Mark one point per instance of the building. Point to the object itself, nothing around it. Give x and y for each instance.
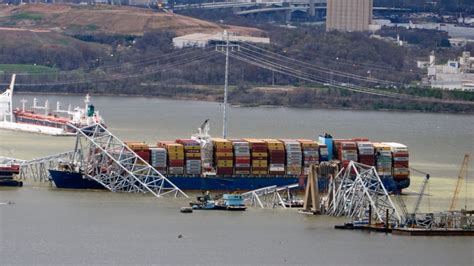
(349, 15)
(460, 42)
(454, 75)
(202, 40)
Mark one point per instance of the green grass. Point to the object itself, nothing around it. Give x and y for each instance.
(63, 42)
(19, 68)
(26, 16)
(92, 27)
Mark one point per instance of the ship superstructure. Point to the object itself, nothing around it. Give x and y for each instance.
(42, 119)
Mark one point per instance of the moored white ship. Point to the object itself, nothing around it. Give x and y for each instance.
(40, 119)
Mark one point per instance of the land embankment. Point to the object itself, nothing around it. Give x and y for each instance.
(115, 50)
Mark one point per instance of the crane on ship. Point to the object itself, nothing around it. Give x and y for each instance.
(421, 192)
(205, 140)
(462, 173)
(410, 218)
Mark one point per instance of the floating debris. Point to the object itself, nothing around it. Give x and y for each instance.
(186, 210)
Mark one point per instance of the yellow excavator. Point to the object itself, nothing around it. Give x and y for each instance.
(462, 175)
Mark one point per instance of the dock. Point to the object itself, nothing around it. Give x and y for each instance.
(367, 228)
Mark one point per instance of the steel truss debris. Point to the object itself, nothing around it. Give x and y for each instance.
(103, 157)
(10, 161)
(357, 187)
(443, 220)
(37, 169)
(270, 197)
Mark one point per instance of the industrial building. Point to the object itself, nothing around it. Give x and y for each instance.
(349, 15)
(454, 75)
(202, 40)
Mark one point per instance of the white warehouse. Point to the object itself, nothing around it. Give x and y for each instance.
(202, 40)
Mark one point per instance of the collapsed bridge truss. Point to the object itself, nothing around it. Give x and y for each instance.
(103, 157)
(358, 188)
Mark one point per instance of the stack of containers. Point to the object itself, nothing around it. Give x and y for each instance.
(337, 147)
(310, 153)
(323, 153)
(347, 151)
(366, 152)
(383, 160)
(400, 170)
(141, 149)
(294, 157)
(192, 156)
(241, 157)
(259, 152)
(158, 159)
(276, 157)
(223, 156)
(175, 157)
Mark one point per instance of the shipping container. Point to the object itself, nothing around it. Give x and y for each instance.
(400, 160)
(310, 149)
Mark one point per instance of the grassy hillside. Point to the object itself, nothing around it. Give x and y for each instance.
(106, 19)
(25, 68)
(47, 48)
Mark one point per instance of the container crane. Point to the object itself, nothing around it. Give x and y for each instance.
(462, 173)
(410, 218)
(422, 191)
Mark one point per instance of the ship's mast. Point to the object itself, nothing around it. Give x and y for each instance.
(23, 102)
(46, 107)
(12, 85)
(87, 100)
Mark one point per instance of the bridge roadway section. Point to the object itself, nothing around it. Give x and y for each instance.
(288, 6)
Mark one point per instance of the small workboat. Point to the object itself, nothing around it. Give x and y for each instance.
(229, 202)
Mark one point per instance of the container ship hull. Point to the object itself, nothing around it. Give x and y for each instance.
(32, 128)
(74, 180)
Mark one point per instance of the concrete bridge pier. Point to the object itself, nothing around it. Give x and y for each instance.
(311, 10)
(288, 15)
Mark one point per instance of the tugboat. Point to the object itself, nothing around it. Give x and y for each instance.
(229, 202)
(7, 172)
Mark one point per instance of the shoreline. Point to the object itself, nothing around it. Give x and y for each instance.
(237, 105)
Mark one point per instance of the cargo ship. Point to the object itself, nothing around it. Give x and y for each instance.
(40, 119)
(249, 163)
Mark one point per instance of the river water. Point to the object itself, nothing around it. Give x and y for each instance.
(53, 226)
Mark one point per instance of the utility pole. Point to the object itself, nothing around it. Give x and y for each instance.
(226, 81)
(220, 48)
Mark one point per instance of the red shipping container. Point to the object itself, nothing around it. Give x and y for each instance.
(224, 158)
(360, 139)
(242, 159)
(400, 177)
(224, 171)
(400, 164)
(145, 155)
(176, 163)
